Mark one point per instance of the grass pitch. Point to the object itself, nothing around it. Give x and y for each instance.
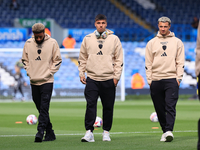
(132, 128)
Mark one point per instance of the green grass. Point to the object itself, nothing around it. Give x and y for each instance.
(131, 128)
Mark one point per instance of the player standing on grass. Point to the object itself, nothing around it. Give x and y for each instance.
(101, 56)
(41, 59)
(164, 60)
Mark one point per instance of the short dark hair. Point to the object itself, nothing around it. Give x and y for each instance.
(100, 17)
(38, 28)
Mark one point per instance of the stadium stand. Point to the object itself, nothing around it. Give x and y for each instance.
(178, 11)
(67, 15)
(80, 14)
(134, 62)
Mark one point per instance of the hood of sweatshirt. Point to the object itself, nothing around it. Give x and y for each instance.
(108, 31)
(46, 37)
(171, 34)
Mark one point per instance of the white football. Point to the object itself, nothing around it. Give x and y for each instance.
(98, 122)
(31, 119)
(154, 117)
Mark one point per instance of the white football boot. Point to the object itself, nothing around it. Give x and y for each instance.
(163, 139)
(169, 136)
(106, 136)
(89, 137)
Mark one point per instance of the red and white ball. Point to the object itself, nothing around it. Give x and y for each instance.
(154, 117)
(31, 119)
(98, 122)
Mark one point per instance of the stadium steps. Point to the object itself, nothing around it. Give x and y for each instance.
(7, 78)
(131, 15)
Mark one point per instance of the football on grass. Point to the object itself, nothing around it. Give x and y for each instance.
(31, 119)
(154, 117)
(98, 122)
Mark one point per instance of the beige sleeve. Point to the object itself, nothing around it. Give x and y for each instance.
(56, 59)
(25, 59)
(148, 62)
(197, 60)
(82, 60)
(180, 60)
(118, 60)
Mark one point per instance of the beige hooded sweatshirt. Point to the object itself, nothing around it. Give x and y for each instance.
(164, 58)
(41, 61)
(101, 58)
(197, 60)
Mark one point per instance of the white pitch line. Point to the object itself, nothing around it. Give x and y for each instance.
(101, 133)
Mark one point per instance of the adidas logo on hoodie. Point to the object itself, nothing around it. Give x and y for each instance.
(38, 58)
(164, 54)
(100, 53)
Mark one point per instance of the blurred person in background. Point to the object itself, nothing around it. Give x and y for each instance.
(19, 81)
(195, 22)
(197, 72)
(41, 59)
(47, 31)
(69, 42)
(14, 5)
(101, 56)
(164, 60)
(137, 81)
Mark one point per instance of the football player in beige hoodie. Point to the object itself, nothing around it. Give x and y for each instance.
(41, 59)
(102, 57)
(164, 63)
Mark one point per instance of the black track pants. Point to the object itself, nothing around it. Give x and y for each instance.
(41, 96)
(164, 94)
(106, 91)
